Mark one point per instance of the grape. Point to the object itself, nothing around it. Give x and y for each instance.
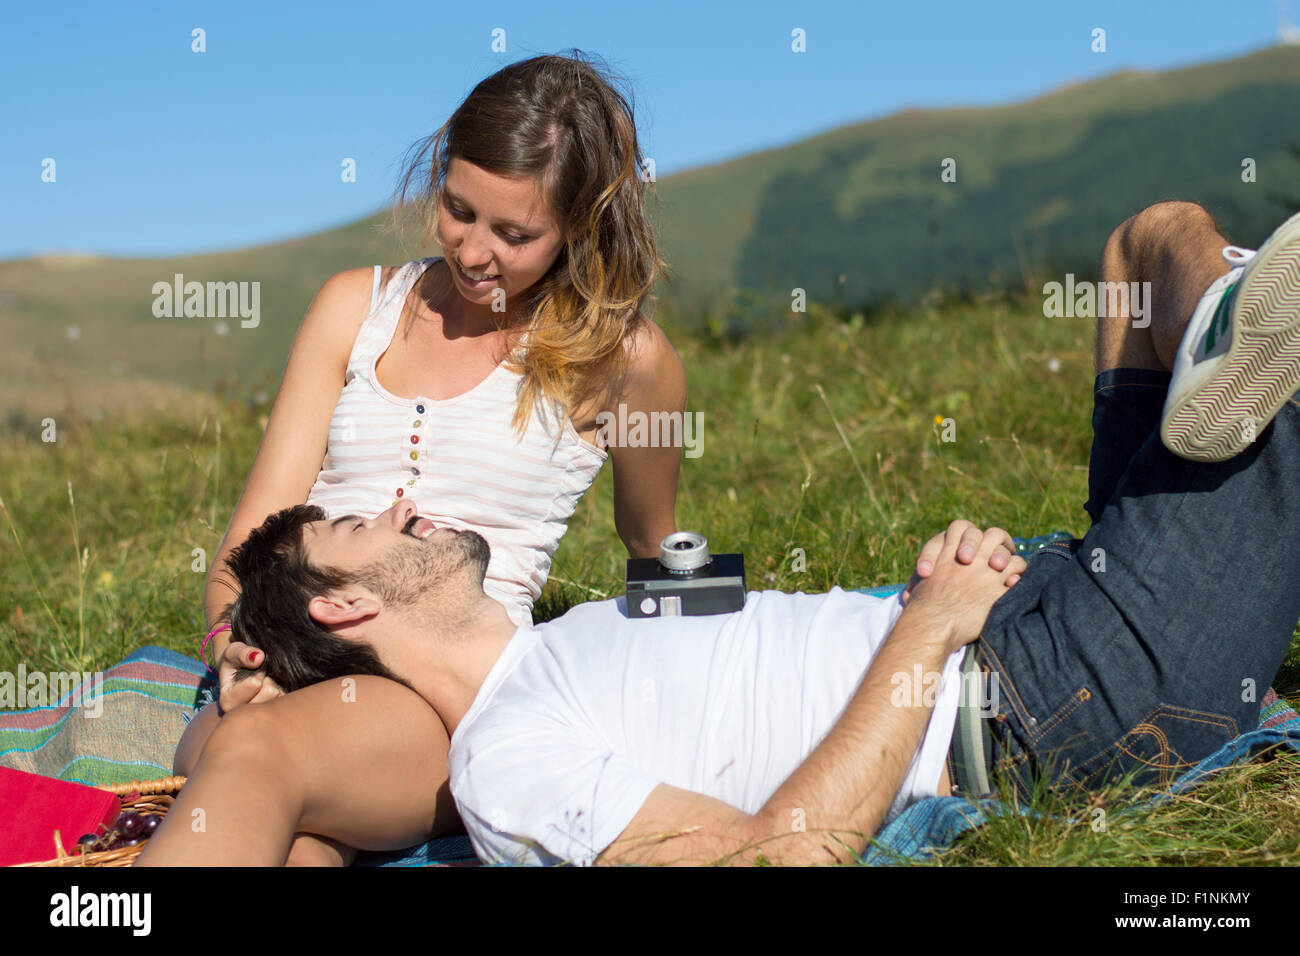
(130, 824)
(87, 840)
(151, 823)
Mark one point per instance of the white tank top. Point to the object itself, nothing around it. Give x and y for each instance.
(458, 458)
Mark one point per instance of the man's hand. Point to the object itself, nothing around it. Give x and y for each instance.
(243, 679)
(970, 542)
(958, 595)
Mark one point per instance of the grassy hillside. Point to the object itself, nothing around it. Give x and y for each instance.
(116, 342)
(1039, 185)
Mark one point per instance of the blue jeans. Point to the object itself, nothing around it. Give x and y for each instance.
(1148, 644)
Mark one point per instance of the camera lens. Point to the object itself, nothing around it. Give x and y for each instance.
(684, 552)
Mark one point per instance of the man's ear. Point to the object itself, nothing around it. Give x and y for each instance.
(343, 607)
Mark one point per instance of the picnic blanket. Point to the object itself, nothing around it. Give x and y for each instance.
(144, 703)
(125, 726)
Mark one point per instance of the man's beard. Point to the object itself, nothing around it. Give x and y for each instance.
(428, 572)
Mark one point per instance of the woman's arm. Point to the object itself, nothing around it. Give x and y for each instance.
(645, 478)
(289, 457)
(285, 467)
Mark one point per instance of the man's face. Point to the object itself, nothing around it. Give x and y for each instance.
(398, 555)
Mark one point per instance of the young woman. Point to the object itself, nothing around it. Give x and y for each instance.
(470, 382)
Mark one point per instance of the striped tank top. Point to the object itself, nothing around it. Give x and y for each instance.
(459, 459)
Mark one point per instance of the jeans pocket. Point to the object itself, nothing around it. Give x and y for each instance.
(1160, 747)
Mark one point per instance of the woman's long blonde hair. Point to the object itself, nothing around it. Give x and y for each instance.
(560, 118)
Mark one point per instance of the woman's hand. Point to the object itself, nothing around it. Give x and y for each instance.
(971, 539)
(243, 679)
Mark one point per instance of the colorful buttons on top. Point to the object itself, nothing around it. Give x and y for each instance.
(415, 439)
(400, 492)
(415, 424)
(415, 471)
(414, 455)
(419, 409)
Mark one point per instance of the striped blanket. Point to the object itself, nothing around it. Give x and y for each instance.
(141, 707)
(144, 704)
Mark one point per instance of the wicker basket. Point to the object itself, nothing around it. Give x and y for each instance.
(150, 797)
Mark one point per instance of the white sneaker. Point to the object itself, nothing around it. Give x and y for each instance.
(1239, 360)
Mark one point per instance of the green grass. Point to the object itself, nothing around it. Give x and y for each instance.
(819, 434)
(1247, 815)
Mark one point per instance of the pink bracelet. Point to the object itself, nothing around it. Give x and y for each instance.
(203, 650)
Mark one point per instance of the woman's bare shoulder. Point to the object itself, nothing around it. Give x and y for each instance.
(649, 350)
(339, 308)
(647, 342)
(656, 376)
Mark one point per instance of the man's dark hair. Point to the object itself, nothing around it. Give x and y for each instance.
(276, 583)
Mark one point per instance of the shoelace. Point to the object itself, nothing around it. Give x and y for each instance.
(1237, 256)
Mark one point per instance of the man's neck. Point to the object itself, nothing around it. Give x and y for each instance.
(447, 662)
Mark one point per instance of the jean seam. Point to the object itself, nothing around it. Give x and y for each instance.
(1018, 705)
(1058, 548)
(1164, 766)
(1065, 710)
(1008, 766)
(1195, 716)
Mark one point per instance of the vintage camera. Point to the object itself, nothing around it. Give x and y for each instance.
(685, 579)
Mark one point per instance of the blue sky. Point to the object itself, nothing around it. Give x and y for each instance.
(162, 151)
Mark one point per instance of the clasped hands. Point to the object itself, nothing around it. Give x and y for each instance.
(960, 574)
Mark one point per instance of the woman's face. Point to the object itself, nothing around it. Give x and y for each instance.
(494, 225)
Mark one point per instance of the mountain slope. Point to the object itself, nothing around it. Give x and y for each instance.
(857, 215)
(1039, 185)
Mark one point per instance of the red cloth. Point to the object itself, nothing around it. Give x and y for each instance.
(36, 806)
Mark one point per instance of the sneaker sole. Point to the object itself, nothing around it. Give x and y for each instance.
(1222, 417)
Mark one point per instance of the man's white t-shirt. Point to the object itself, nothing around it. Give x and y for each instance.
(581, 717)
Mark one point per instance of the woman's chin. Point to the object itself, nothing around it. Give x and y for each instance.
(474, 291)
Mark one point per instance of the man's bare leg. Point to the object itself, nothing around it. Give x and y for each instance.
(1175, 246)
(369, 772)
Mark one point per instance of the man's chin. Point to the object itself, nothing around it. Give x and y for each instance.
(470, 546)
(461, 547)
(476, 546)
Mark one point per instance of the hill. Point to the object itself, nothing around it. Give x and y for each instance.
(856, 216)
(1039, 185)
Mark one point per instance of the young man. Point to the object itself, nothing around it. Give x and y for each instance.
(779, 731)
